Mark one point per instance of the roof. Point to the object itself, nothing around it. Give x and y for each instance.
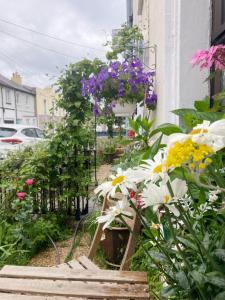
(11, 84)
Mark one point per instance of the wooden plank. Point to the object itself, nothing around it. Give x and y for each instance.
(74, 264)
(9, 296)
(98, 233)
(87, 263)
(73, 275)
(76, 288)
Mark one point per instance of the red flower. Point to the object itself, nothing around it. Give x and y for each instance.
(132, 194)
(131, 134)
(29, 181)
(21, 195)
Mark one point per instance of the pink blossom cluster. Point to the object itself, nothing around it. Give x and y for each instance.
(22, 195)
(215, 56)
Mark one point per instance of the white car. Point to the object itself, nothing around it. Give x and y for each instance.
(13, 137)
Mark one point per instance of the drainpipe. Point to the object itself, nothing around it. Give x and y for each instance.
(3, 109)
(15, 105)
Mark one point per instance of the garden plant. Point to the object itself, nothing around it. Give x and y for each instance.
(176, 185)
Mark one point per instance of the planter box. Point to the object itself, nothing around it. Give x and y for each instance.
(114, 244)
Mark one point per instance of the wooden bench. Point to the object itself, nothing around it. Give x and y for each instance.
(77, 279)
(17, 282)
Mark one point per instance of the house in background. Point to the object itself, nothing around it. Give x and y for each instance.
(17, 101)
(173, 31)
(47, 110)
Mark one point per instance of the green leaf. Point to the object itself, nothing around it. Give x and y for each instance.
(146, 154)
(187, 243)
(220, 296)
(166, 129)
(182, 280)
(198, 277)
(158, 256)
(134, 125)
(210, 116)
(206, 241)
(216, 278)
(220, 253)
(202, 105)
(155, 147)
(168, 291)
(77, 104)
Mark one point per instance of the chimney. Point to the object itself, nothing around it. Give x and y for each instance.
(16, 78)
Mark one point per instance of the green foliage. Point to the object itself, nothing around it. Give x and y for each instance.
(204, 110)
(125, 42)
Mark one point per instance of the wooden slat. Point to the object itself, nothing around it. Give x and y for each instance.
(76, 288)
(9, 296)
(87, 263)
(73, 275)
(74, 264)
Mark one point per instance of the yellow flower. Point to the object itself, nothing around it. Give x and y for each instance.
(202, 166)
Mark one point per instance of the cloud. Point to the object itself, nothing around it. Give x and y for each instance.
(85, 22)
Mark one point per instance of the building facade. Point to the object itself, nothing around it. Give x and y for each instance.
(17, 101)
(47, 110)
(173, 31)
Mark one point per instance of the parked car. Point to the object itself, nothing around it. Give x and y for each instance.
(14, 137)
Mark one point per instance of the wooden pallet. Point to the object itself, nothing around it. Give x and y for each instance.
(23, 283)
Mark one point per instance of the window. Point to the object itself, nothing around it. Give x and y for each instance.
(29, 132)
(7, 132)
(45, 107)
(40, 133)
(8, 96)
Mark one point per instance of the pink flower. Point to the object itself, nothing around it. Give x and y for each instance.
(131, 134)
(29, 181)
(215, 56)
(20, 195)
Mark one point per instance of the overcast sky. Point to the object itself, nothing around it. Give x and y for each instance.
(85, 22)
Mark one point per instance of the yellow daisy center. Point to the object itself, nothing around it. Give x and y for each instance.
(118, 180)
(187, 152)
(157, 169)
(166, 198)
(199, 130)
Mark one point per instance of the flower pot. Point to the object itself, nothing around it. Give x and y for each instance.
(114, 244)
(119, 151)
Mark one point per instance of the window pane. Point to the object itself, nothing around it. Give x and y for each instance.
(40, 133)
(7, 132)
(30, 132)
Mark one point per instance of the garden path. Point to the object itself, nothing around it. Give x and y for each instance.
(47, 257)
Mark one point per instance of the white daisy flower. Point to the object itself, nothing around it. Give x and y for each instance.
(212, 135)
(154, 169)
(157, 196)
(122, 181)
(119, 209)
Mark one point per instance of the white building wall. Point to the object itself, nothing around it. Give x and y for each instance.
(17, 107)
(178, 28)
